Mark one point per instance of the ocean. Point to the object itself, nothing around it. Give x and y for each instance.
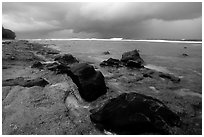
(165, 56)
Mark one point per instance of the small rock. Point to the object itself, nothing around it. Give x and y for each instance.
(111, 62)
(106, 53)
(185, 55)
(134, 64)
(66, 59)
(52, 66)
(37, 64)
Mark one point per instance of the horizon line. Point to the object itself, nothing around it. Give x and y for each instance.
(121, 39)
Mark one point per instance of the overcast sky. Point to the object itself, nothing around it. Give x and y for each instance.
(104, 20)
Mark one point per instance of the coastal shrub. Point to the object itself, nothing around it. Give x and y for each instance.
(8, 34)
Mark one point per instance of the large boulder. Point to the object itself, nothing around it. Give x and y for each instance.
(133, 113)
(90, 83)
(66, 59)
(132, 59)
(111, 63)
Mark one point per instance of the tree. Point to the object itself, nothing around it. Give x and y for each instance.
(8, 34)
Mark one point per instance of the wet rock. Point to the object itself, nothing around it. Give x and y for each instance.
(134, 64)
(185, 55)
(111, 62)
(106, 53)
(53, 52)
(133, 113)
(90, 83)
(37, 64)
(52, 66)
(6, 42)
(155, 74)
(169, 76)
(60, 68)
(25, 83)
(132, 56)
(66, 59)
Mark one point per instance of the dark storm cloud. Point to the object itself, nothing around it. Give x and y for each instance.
(128, 20)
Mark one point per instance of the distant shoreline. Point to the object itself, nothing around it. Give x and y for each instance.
(128, 40)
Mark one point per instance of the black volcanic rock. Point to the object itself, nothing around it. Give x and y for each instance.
(112, 63)
(90, 83)
(8, 34)
(170, 77)
(106, 52)
(133, 113)
(66, 59)
(185, 55)
(134, 64)
(132, 57)
(37, 64)
(25, 83)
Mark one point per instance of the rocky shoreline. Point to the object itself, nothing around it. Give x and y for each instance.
(45, 92)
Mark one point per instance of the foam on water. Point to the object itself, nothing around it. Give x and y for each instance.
(187, 92)
(121, 39)
(157, 68)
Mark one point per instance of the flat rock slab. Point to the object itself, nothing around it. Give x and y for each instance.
(44, 111)
(25, 83)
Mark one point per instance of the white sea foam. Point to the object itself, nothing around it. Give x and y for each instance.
(121, 39)
(157, 68)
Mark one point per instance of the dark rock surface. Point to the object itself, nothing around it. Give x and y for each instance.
(66, 59)
(37, 64)
(134, 64)
(53, 52)
(112, 63)
(106, 52)
(133, 113)
(132, 56)
(90, 83)
(25, 83)
(185, 55)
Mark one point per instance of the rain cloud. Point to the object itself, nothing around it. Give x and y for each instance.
(133, 20)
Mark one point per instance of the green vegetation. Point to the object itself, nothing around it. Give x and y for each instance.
(8, 34)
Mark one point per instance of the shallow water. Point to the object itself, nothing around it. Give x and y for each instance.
(165, 57)
(187, 92)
